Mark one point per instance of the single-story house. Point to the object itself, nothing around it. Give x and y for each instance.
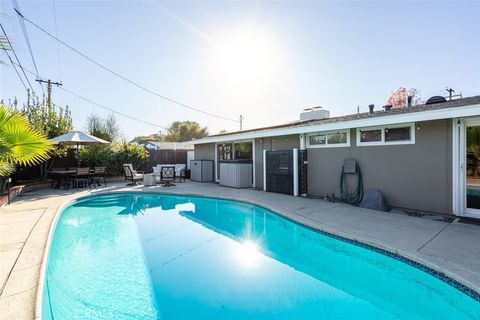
(424, 157)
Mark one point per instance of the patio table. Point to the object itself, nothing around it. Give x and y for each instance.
(149, 179)
(59, 176)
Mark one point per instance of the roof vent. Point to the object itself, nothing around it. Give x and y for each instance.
(436, 99)
(315, 113)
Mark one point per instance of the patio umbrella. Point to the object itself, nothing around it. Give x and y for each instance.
(77, 138)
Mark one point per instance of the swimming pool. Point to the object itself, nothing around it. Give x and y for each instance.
(151, 256)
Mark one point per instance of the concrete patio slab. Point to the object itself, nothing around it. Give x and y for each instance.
(443, 244)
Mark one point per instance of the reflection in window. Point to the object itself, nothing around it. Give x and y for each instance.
(336, 138)
(397, 134)
(371, 135)
(225, 151)
(315, 140)
(243, 151)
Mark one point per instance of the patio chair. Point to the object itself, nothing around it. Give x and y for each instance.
(82, 175)
(98, 174)
(132, 175)
(167, 174)
(180, 171)
(181, 174)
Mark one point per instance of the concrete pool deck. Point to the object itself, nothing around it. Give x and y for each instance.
(444, 244)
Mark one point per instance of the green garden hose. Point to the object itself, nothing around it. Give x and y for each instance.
(351, 197)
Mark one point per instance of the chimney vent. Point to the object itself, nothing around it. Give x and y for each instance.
(315, 113)
(409, 101)
(370, 107)
(387, 107)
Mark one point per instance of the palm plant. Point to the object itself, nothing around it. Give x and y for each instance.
(20, 143)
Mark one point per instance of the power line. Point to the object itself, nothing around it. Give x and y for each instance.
(100, 105)
(136, 84)
(112, 110)
(27, 39)
(56, 34)
(76, 116)
(16, 57)
(18, 74)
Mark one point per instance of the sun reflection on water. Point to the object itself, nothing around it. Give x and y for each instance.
(248, 254)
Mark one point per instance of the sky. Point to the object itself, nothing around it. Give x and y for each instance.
(265, 61)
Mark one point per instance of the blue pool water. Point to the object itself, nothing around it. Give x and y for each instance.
(146, 256)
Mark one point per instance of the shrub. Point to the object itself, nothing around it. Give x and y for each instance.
(113, 156)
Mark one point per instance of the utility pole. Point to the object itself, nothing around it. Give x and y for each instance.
(49, 89)
(451, 95)
(241, 122)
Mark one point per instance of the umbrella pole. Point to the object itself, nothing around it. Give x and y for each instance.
(78, 157)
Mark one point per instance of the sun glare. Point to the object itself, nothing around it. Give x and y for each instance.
(248, 254)
(247, 59)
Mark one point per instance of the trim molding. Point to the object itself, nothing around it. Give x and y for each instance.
(446, 113)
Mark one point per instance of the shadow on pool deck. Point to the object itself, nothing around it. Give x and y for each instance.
(444, 244)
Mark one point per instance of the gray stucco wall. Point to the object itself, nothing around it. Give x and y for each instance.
(205, 151)
(273, 143)
(414, 176)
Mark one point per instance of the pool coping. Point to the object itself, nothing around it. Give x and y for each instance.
(46, 251)
(436, 271)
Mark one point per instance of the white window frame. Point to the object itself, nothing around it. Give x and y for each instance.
(326, 145)
(383, 142)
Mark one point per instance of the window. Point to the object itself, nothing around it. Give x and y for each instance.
(384, 135)
(337, 138)
(329, 139)
(397, 134)
(370, 135)
(320, 139)
(225, 151)
(243, 151)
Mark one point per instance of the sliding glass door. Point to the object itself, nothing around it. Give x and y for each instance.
(471, 148)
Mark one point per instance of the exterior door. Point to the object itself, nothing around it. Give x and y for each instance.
(466, 167)
(471, 174)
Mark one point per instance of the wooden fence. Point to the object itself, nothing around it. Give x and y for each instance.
(164, 157)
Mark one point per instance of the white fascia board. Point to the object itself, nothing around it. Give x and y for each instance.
(446, 113)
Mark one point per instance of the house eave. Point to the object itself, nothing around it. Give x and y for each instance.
(438, 114)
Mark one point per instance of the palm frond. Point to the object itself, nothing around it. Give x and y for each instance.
(19, 142)
(6, 169)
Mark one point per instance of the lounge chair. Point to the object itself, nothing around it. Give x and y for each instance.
(132, 175)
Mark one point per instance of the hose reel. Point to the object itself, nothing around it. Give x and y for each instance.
(351, 167)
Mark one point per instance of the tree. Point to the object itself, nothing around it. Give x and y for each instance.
(20, 142)
(180, 131)
(145, 139)
(51, 121)
(104, 128)
(398, 98)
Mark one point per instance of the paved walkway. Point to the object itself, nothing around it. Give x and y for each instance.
(449, 246)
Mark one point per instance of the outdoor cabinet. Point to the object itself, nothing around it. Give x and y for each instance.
(201, 170)
(236, 173)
